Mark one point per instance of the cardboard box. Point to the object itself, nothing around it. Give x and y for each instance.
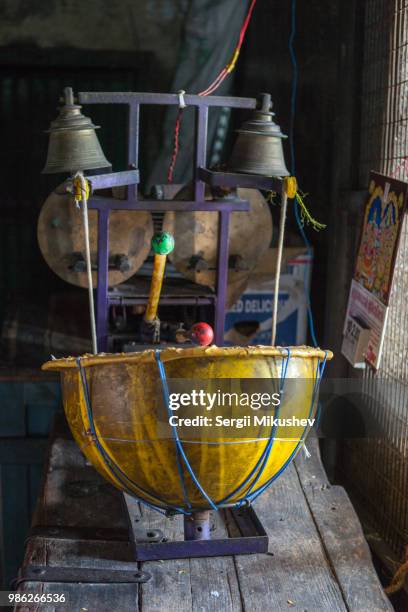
(249, 321)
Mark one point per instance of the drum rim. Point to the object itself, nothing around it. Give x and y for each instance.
(173, 353)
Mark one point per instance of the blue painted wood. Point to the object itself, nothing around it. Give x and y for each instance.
(16, 519)
(40, 401)
(27, 410)
(12, 414)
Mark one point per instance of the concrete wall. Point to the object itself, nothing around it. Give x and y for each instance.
(128, 25)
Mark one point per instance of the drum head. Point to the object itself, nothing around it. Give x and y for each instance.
(196, 240)
(61, 239)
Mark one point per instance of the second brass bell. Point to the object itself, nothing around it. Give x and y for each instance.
(73, 144)
(258, 148)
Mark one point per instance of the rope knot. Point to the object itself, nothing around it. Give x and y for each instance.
(182, 102)
(81, 189)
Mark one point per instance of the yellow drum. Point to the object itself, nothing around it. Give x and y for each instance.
(114, 408)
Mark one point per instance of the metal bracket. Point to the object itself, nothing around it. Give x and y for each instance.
(251, 537)
(47, 573)
(118, 262)
(150, 331)
(198, 263)
(90, 533)
(237, 263)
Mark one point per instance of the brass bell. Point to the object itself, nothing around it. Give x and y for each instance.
(258, 148)
(73, 144)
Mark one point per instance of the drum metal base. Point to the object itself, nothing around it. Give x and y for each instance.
(248, 536)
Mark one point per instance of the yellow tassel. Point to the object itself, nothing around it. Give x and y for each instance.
(78, 189)
(290, 186)
(305, 214)
(291, 189)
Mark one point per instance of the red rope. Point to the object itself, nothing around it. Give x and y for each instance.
(176, 147)
(231, 65)
(210, 89)
(215, 84)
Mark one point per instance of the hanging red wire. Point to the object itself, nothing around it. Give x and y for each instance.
(231, 65)
(210, 89)
(176, 146)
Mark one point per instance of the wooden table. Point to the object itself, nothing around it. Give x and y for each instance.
(318, 558)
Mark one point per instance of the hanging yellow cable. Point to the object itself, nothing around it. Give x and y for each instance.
(305, 215)
(293, 192)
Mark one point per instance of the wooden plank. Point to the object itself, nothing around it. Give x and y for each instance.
(16, 516)
(21, 458)
(2, 549)
(84, 597)
(295, 572)
(188, 584)
(174, 585)
(65, 553)
(74, 494)
(342, 536)
(170, 586)
(215, 583)
(306, 568)
(214, 580)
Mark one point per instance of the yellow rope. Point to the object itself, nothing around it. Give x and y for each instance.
(230, 67)
(305, 215)
(81, 194)
(292, 192)
(399, 577)
(290, 185)
(79, 187)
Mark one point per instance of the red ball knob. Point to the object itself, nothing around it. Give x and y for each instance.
(201, 334)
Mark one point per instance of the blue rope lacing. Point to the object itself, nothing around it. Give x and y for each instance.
(319, 374)
(257, 471)
(268, 449)
(179, 446)
(112, 466)
(250, 481)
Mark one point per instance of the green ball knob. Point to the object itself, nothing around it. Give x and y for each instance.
(162, 243)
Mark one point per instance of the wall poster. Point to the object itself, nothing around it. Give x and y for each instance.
(372, 280)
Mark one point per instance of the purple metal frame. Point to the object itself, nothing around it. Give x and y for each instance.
(250, 537)
(201, 177)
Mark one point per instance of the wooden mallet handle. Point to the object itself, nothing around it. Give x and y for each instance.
(162, 245)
